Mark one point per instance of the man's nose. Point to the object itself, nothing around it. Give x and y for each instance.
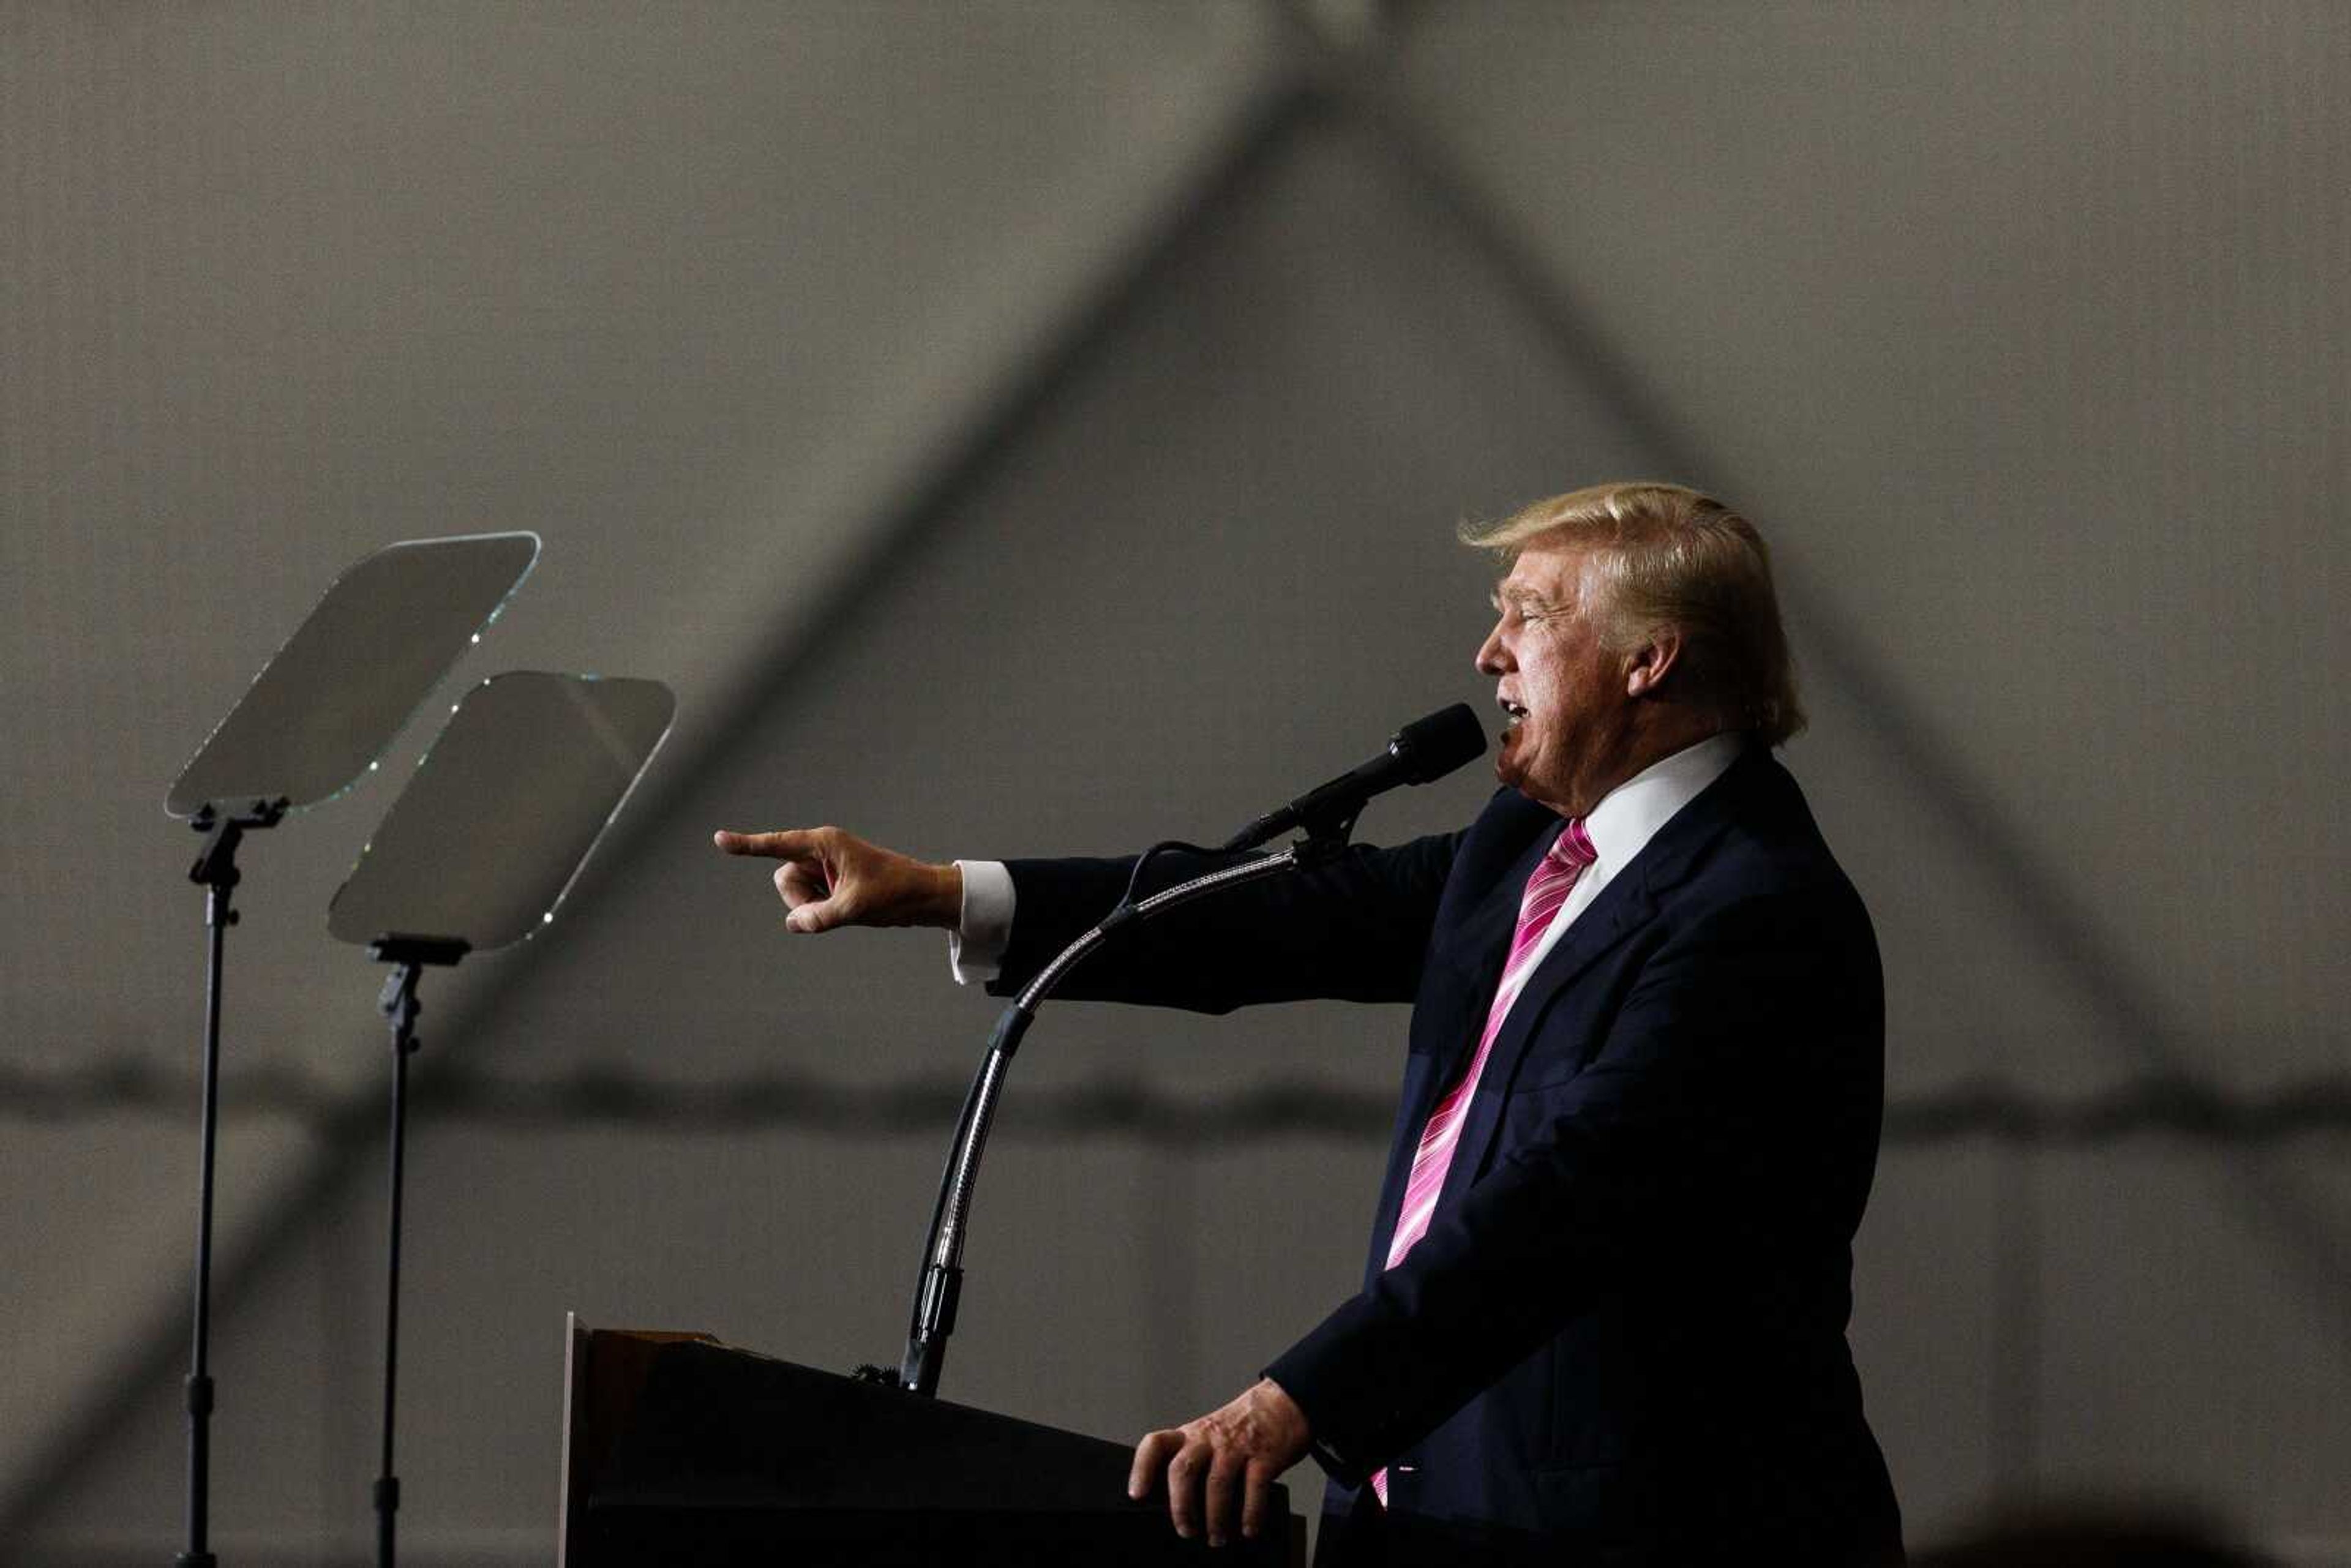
(1489, 654)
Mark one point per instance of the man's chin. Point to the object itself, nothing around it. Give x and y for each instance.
(1511, 772)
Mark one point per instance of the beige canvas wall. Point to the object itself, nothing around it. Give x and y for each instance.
(1028, 427)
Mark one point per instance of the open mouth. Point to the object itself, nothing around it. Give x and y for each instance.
(1513, 714)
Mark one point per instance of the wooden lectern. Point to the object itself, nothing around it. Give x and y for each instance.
(682, 1452)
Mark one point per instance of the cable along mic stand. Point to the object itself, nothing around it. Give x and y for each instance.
(940, 1285)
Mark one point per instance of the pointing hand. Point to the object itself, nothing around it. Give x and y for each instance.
(828, 877)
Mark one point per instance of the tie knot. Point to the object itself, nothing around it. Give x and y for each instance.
(1573, 845)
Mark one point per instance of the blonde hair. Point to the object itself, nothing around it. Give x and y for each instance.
(1671, 557)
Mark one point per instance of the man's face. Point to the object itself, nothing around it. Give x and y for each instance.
(1566, 697)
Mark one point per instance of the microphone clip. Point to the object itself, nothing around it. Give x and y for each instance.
(1325, 817)
(1326, 833)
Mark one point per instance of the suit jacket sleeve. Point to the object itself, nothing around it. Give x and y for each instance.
(1355, 929)
(1702, 1135)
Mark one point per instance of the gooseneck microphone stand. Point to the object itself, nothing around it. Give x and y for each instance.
(1425, 749)
(941, 1281)
(215, 872)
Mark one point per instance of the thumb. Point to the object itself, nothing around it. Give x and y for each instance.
(810, 918)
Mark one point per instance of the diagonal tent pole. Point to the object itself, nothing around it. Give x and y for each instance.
(1261, 130)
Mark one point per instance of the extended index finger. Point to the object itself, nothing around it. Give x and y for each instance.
(788, 844)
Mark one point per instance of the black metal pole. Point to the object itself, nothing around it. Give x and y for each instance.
(218, 917)
(940, 1284)
(398, 1003)
(215, 872)
(401, 1006)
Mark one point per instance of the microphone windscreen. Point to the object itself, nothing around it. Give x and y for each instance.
(1432, 746)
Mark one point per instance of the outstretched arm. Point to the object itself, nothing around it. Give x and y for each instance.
(1354, 929)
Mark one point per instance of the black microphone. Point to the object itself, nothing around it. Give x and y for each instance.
(1424, 749)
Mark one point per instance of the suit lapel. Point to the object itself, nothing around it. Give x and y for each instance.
(1622, 908)
(1486, 941)
(1629, 901)
(1474, 961)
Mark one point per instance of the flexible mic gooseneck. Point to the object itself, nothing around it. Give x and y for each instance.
(1424, 749)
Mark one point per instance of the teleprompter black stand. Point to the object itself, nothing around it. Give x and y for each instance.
(215, 872)
(313, 721)
(408, 956)
(480, 848)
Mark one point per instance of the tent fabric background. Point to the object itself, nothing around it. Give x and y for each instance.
(1030, 427)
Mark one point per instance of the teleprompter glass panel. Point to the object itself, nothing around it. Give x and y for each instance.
(499, 816)
(333, 697)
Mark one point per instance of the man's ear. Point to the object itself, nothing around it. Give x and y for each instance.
(1649, 664)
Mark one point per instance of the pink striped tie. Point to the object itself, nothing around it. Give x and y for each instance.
(1553, 879)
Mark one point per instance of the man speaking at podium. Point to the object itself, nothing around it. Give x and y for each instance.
(1603, 1318)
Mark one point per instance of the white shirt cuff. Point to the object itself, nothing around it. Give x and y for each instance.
(976, 948)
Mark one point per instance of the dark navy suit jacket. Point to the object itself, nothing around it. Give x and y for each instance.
(1623, 1337)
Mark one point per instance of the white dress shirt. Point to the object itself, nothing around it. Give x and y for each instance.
(1620, 828)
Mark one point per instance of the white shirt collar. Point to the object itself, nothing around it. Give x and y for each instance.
(1629, 816)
